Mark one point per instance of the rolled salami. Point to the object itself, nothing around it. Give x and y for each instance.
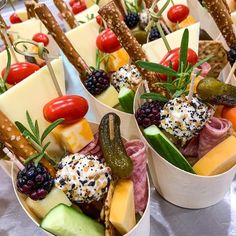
(63, 42)
(137, 151)
(66, 13)
(29, 5)
(12, 138)
(111, 15)
(220, 14)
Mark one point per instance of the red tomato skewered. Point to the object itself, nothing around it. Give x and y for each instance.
(178, 13)
(78, 7)
(19, 71)
(14, 18)
(72, 2)
(41, 38)
(107, 41)
(173, 57)
(70, 107)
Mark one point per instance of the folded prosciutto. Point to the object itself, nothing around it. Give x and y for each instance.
(137, 151)
(213, 133)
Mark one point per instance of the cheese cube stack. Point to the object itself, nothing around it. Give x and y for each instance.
(122, 214)
(41, 207)
(220, 159)
(74, 137)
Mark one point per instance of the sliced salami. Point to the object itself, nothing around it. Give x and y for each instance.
(214, 132)
(137, 151)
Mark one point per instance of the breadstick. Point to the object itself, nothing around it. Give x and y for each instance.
(121, 7)
(29, 5)
(63, 42)
(220, 14)
(12, 138)
(111, 15)
(66, 13)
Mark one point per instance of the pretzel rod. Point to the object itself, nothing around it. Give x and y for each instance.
(220, 14)
(66, 13)
(12, 138)
(121, 7)
(226, 5)
(148, 3)
(2, 21)
(63, 42)
(29, 5)
(111, 15)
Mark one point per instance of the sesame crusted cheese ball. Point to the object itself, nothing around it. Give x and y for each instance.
(83, 178)
(127, 76)
(184, 119)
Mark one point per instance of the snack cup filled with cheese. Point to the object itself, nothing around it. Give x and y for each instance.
(104, 201)
(192, 161)
(186, 189)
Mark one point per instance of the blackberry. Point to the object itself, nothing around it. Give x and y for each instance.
(154, 34)
(131, 19)
(149, 114)
(97, 82)
(34, 181)
(232, 55)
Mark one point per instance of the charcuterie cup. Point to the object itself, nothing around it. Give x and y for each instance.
(182, 188)
(141, 228)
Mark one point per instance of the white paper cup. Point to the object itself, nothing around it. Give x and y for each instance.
(141, 228)
(180, 187)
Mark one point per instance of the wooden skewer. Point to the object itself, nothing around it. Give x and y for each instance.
(63, 42)
(66, 13)
(29, 5)
(191, 89)
(231, 73)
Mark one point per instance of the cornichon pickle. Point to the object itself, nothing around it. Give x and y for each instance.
(216, 92)
(112, 146)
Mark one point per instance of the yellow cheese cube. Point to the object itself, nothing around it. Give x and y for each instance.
(41, 207)
(220, 159)
(109, 97)
(74, 137)
(122, 214)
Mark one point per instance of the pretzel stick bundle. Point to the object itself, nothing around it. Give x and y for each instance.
(63, 42)
(12, 138)
(111, 15)
(29, 5)
(220, 14)
(121, 7)
(66, 13)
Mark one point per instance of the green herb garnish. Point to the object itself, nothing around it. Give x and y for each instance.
(178, 86)
(37, 140)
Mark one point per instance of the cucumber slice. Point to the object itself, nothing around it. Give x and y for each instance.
(126, 99)
(166, 149)
(66, 221)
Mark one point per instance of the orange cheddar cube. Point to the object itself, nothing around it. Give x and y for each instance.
(74, 137)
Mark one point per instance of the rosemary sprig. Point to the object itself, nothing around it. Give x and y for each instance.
(178, 86)
(37, 140)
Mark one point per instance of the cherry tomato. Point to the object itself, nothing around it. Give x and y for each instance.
(178, 13)
(107, 41)
(99, 20)
(72, 2)
(19, 71)
(78, 7)
(41, 38)
(14, 18)
(173, 57)
(70, 107)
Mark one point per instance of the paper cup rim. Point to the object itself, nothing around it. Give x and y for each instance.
(38, 224)
(175, 167)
